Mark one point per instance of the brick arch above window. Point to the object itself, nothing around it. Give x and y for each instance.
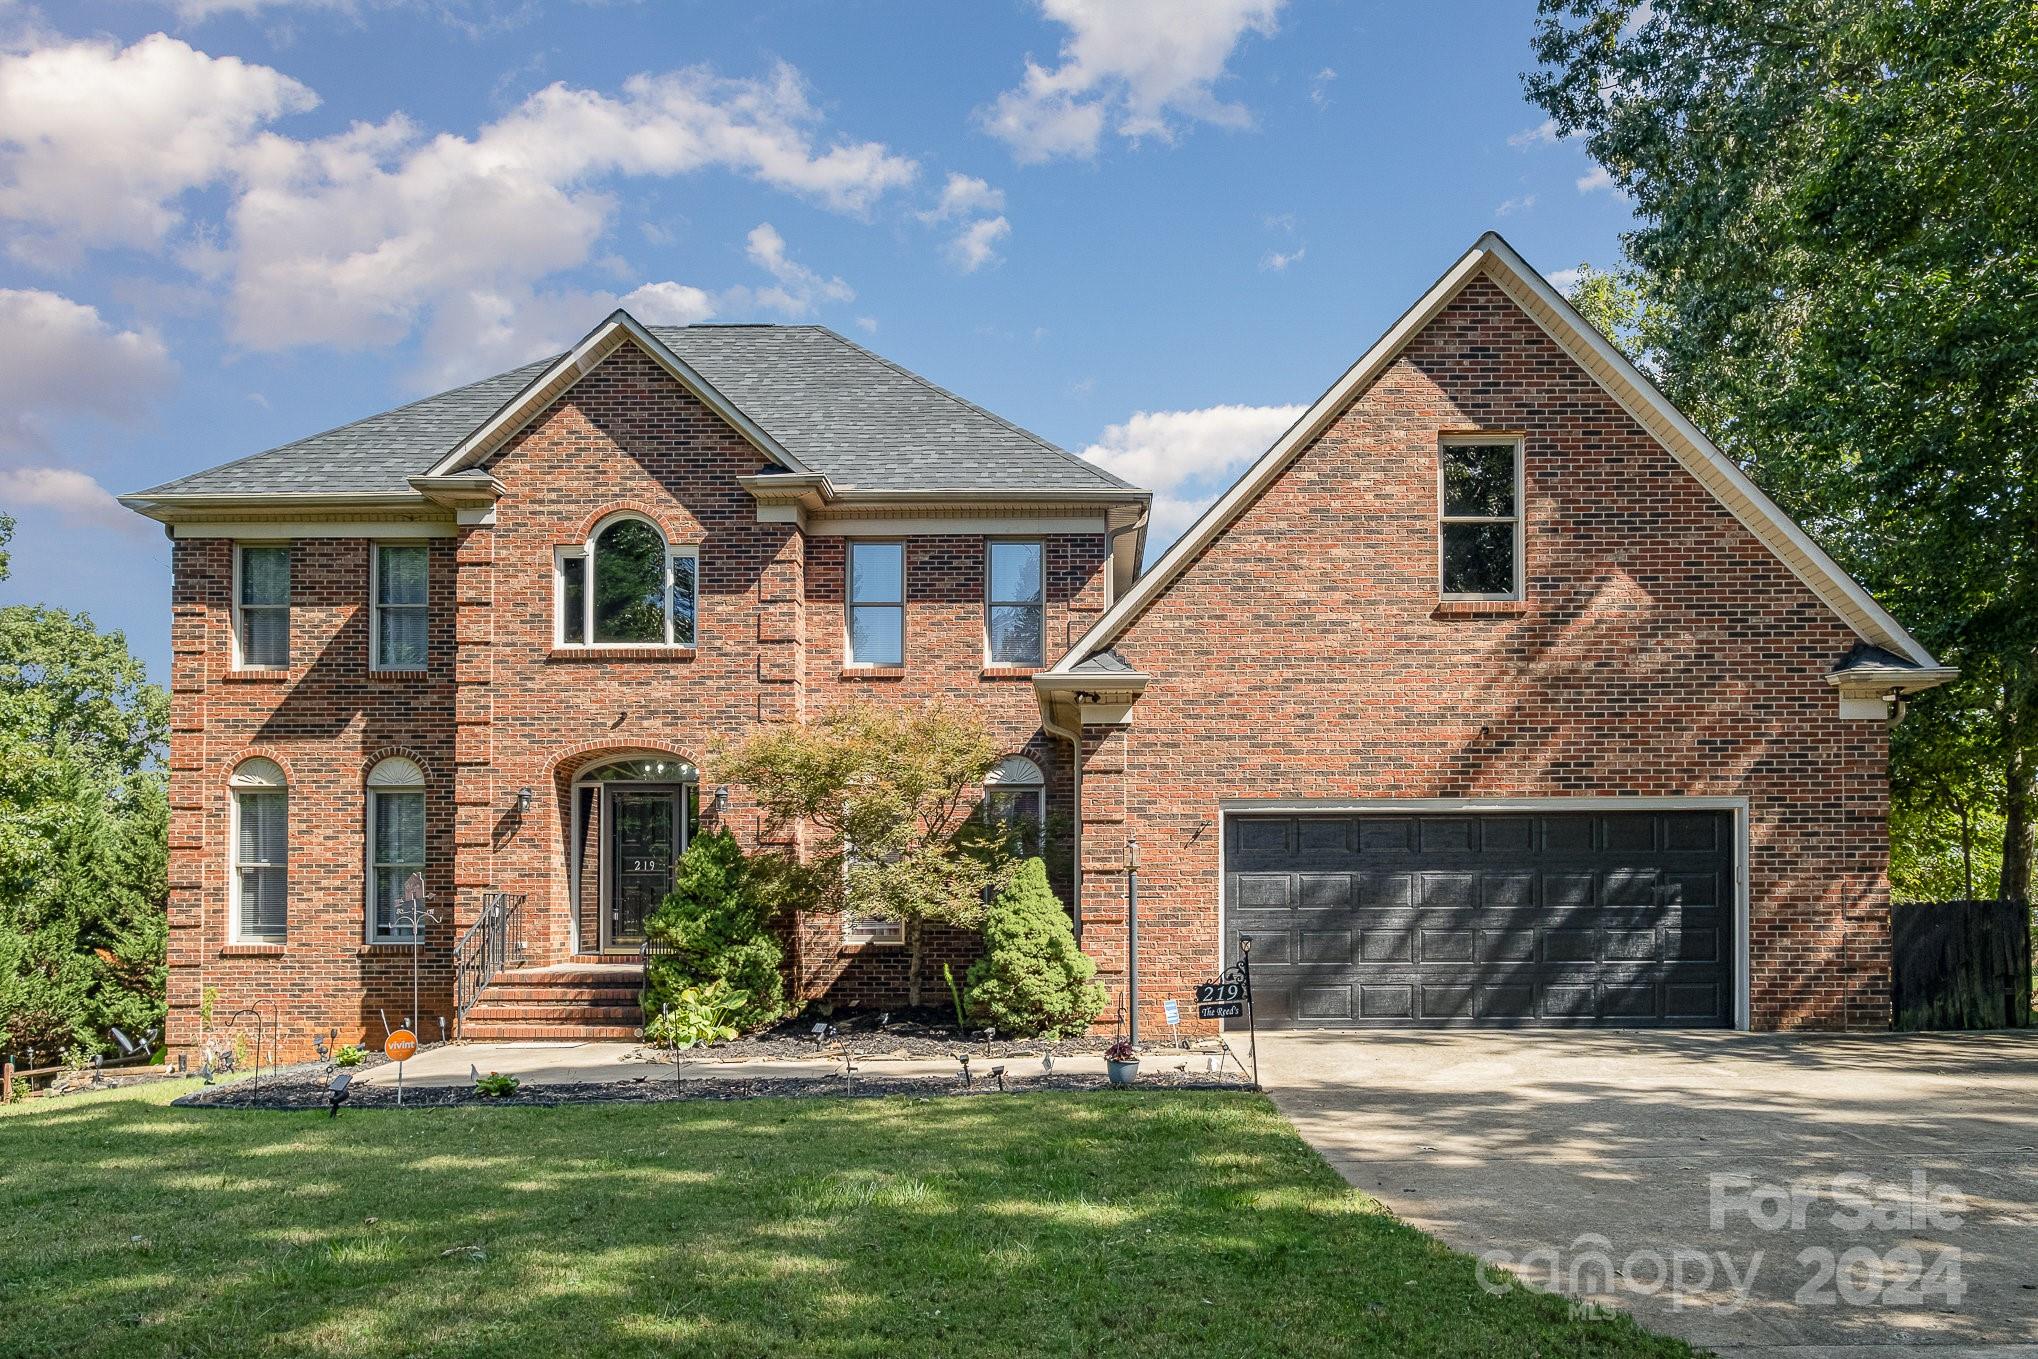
(273, 756)
(672, 522)
(570, 763)
(424, 766)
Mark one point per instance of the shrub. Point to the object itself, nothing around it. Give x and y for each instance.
(697, 1014)
(495, 1085)
(1032, 979)
(350, 1055)
(716, 926)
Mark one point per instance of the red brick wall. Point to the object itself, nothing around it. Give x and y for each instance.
(505, 710)
(1661, 650)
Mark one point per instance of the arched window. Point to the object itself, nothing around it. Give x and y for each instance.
(396, 842)
(626, 587)
(259, 884)
(1015, 795)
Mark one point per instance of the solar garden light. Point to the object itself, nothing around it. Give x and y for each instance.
(999, 1072)
(336, 1093)
(964, 1059)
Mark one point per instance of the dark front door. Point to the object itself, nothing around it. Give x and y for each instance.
(643, 848)
(1614, 918)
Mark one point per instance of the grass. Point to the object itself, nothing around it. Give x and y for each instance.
(1135, 1224)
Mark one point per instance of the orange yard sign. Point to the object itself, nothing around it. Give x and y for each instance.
(401, 1047)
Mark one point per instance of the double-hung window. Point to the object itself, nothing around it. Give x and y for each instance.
(626, 587)
(262, 607)
(260, 839)
(401, 615)
(877, 603)
(1479, 522)
(1015, 630)
(396, 843)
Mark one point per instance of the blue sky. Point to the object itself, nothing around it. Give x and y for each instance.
(1146, 229)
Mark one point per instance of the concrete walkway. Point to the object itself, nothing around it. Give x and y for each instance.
(1675, 1154)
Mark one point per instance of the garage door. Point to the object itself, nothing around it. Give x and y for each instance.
(1619, 919)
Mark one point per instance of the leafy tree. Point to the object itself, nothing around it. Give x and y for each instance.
(717, 924)
(83, 816)
(1032, 978)
(888, 794)
(1836, 275)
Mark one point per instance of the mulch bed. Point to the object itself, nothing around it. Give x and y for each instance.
(898, 1033)
(298, 1088)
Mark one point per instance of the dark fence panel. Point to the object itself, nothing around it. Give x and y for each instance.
(1960, 965)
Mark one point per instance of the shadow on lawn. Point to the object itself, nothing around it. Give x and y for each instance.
(1037, 1224)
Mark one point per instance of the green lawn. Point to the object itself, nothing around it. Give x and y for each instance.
(1183, 1225)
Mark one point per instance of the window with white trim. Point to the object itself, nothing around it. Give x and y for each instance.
(626, 586)
(1015, 591)
(262, 606)
(1479, 547)
(401, 584)
(396, 841)
(867, 929)
(1015, 797)
(259, 836)
(877, 603)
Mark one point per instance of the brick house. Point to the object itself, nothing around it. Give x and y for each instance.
(1492, 693)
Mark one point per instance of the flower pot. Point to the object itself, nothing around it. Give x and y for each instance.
(1121, 1073)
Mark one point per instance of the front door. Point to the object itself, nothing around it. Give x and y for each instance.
(643, 847)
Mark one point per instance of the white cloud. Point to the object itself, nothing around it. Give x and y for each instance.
(99, 144)
(1187, 458)
(965, 196)
(1319, 87)
(1276, 260)
(1138, 66)
(60, 358)
(867, 324)
(1564, 280)
(976, 245)
(71, 494)
(1514, 205)
(346, 240)
(796, 290)
(669, 304)
(1542, 134)
(1600, 178)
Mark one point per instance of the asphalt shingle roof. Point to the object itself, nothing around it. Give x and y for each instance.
(865, 422)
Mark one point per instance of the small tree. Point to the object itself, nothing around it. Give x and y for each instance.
(717, 923)
(1032, 979)
(890, 792)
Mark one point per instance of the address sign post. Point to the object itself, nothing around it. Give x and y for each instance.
(1231, 996)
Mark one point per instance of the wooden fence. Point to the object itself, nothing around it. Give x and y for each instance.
(1960, 965)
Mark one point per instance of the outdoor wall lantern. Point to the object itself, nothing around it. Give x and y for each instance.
(721, 799)
(523, 801)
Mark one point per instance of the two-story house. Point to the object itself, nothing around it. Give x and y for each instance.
(1492, 693)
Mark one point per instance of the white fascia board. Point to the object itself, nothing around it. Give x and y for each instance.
(1621, 380)
(576, 363)
(1232, 503)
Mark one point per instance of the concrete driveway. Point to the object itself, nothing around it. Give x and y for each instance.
(1697, 1179)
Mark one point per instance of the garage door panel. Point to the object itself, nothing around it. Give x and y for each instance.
(1616, 918)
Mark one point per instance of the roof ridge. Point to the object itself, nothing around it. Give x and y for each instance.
(965, 402)
(354, 423)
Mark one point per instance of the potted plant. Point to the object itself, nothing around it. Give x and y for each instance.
(1121, 1062)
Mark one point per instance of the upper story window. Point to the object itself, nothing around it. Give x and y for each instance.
(262, 606)
(877, 603)
(259, 884)
(396, 842)
(400, 587)
(1479, 528)
(1015, 631)
(626, 587)
(1015, 797)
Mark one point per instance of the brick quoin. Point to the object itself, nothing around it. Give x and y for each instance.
(1661, 650)
(500, 708)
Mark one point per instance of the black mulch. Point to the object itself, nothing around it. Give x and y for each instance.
(298, 1088)
(899, 1033)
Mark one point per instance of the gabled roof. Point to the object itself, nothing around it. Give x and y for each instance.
(808, 398)
(1496, 259)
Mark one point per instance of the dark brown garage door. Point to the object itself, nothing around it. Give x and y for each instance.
(1618, 919)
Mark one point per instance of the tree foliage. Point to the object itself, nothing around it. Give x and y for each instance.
(717, 925)
(83, 822)
(885, 797)
(1032, 979)
(1836, 275)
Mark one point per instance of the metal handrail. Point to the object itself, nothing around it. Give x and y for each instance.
(491, 943)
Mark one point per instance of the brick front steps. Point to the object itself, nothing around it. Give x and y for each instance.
(579, 1002)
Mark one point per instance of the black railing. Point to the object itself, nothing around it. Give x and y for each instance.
(493, 942)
